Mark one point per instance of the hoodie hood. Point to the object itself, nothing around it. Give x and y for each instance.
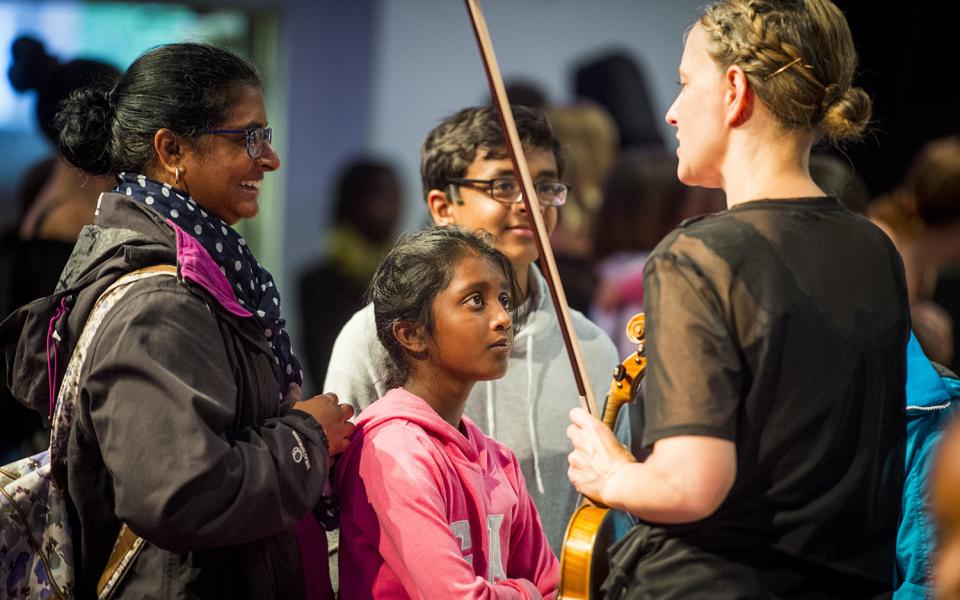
(926, 389)
(125, 236)
(537, 315)
(538, 321)
(400, 405)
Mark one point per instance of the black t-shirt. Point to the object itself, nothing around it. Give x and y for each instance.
(781, 325)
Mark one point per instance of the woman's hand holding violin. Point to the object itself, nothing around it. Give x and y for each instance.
(597, 455)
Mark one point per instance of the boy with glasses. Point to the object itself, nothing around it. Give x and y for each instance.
(469, 180)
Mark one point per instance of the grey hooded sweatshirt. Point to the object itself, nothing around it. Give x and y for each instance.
(526, 409)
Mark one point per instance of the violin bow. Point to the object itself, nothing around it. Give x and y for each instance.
(547, 262)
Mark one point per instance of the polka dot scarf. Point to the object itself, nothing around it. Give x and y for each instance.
(252, 284)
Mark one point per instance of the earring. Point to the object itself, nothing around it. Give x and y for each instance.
(176, 175)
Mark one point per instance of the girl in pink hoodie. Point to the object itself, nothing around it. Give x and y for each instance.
(430, 506)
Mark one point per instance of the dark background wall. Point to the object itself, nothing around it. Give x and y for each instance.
(909, 66)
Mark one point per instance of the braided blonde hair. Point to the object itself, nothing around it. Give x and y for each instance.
(799, 58)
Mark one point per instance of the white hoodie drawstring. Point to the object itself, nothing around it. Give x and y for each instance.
(531, 424)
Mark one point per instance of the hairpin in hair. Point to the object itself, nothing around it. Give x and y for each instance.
(785, 67)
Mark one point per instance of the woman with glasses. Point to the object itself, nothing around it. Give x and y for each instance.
(189, 429)
(776, 338)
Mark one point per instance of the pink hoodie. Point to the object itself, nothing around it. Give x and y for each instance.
(427, 512)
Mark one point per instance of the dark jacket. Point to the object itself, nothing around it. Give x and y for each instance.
(181, 429)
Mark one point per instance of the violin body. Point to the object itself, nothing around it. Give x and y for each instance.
(584, 562)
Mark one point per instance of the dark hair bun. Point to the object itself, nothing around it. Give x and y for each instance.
(31, 67)
(107, 125)
(85, 124)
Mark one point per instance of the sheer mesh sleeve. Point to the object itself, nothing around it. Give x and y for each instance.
(692, 385)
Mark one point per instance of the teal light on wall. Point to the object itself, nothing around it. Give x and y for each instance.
(114, 32)
(111, 31)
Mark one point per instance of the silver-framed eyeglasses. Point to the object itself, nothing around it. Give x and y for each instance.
(255, 137)
(508, 190)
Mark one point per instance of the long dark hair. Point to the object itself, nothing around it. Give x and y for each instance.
(182, 87)
(408, 279)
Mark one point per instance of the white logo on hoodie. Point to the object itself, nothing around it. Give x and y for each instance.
(461, 529)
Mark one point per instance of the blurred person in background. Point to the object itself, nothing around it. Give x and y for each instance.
(590, 141)
(642, 202)
(368, 204)
(922, 216)
(526, 92)
(68, 198)
(56, 200)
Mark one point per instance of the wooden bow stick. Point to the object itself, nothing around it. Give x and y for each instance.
(547, 262)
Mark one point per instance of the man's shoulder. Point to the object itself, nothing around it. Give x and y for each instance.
(356, 360)
(361, 324)
(597, 349)
(590, 334)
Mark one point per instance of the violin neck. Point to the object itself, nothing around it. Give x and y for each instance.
(612, 409)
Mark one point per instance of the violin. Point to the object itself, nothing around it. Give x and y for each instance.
(591, 530)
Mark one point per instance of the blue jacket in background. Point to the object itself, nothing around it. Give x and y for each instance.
(933, 397)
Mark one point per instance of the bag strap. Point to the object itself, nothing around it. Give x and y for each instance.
(125, 550)
(156, 269)
(128, 544)
(84, 339)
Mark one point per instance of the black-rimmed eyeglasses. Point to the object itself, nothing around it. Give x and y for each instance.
(255, 137)
(507, 190)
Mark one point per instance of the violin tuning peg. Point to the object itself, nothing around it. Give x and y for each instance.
(619, 373)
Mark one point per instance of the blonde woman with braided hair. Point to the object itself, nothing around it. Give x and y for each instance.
(776, 335)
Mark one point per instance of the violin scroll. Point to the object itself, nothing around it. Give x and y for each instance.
(628, 374)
